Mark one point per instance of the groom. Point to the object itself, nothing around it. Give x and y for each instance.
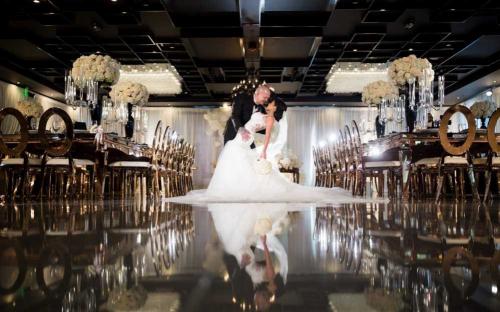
(243, 107)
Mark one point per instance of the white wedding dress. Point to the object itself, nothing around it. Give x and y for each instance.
(236, 180)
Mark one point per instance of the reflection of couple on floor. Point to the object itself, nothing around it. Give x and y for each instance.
(257, 265)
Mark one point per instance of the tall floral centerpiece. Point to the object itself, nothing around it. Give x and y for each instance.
(31, 109)
(89, 75)
(382, 95)
(129, 94)
(410, 73)
(483, 110)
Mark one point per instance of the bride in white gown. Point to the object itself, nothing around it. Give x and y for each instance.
(237, 178)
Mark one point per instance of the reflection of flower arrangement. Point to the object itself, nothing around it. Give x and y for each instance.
(374, 92)
(483, 109)
(406, 68)
(216, 119)
(29, 107)
(129, 92)
(263, 166)
(95, 67)
(288, 161)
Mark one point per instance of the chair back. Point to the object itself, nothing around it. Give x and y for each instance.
(24, 135)
(65, 146)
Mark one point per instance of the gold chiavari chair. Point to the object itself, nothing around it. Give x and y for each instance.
(494, 156)
(17, 165)
(134, 176)
(456, 162)
(167, 171)
(358, 159)
(58, 171)
(317, 181)
(343, 161)
(350, 158)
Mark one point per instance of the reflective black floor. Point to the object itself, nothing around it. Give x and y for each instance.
(128, 255)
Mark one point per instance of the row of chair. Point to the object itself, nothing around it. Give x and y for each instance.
(346, 163)
(166, 170)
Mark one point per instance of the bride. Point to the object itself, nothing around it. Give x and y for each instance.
(244, 174)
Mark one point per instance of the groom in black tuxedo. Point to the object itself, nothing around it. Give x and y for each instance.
(243, 107)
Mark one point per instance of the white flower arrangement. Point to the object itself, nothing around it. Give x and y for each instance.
(216, 119)
(263, 166)
(288, 161)
(129, 92)
(101, 68)
(406, 68)
(263, 226)
(374, 92)
(483, 109)
(29, 107)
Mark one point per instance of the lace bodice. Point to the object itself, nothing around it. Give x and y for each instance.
(256, 123)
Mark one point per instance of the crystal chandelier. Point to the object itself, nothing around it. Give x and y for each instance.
(247, 85)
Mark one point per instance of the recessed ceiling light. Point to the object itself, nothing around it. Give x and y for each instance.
(114, 0)
(172, 47)
(382, 10)
(355, 50)
(452, 10)
(36, 1)
(410, 49)
(124, 12)
(448, 44)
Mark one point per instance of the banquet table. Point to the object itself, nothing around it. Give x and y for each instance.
(84, 146)
(411, 147)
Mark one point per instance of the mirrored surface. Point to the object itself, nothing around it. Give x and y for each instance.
(132, 255)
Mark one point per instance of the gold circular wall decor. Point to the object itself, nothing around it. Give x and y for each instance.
(443, 130)
(450, 258)
(23, 123)
(492, 138)
(62, 149)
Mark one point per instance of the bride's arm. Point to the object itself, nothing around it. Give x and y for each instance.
(269, 127)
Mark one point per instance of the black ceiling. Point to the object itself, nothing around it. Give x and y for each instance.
(297, 41)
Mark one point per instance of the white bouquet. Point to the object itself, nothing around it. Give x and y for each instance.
(263, 226)
(30, 108)
(100, 68)
(263, 166)
(374, 92)
(483, 109)
(406, 68)
(288, 161)
(129, 92)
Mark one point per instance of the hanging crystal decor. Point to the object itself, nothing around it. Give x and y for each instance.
(80, 93)
(440, 93)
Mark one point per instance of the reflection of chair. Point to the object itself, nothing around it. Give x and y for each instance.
(456, 163)
(17, 165)
(494, 157)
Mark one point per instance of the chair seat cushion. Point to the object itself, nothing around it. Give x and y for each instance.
(131, 164)
(383, 164)
(455, 160)
(483, 161)
(83, 162)
(428, 162)
(495, 161)
(58, 162)
(20, 162)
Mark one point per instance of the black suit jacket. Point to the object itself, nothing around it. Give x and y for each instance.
(242, 112)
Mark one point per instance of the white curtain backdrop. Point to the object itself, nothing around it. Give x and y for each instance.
(306, 127)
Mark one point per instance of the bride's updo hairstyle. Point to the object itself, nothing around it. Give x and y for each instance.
(280, 106)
